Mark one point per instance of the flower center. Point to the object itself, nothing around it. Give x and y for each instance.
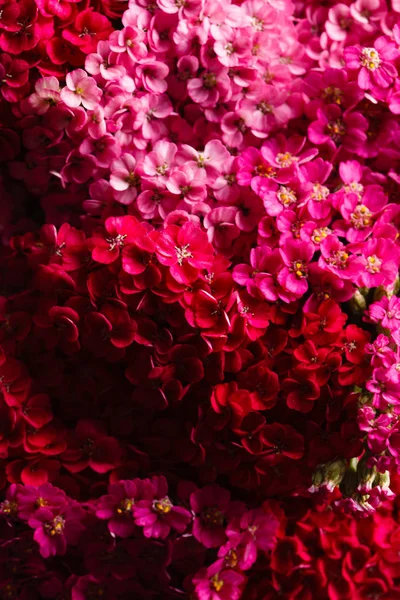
(209, 80)
(257, 24)
(162, 169)
(339, 259)
(299, 269)
(56, 526)
(125, 506)
(370, 59)
(132, 179)
(40, 502)
(336, 130)
(217, 583)
(361, 217)
(116, 242)
(285, 159)
(229, 49)
(333, 95)
(320, 234)
(286, 196)
(212, 517)
(163, 506)
(9, 507)
(183, 253)
(320, 192)
(355, 188)
(264, 107)
(373, 264)
(264, 171)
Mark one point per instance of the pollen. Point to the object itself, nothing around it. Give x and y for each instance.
(370, 59)
(56, 526)
(183, 253)
(217, 583)
(163, 506)
(125, 506)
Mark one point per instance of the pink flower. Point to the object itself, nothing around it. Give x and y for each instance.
(232, 49)
(105, 149)
(264, 109)
(211, 159)
(319, 200)
(189, 183)
(335, 258)
(104, 63)
(54, 530)
(360, 214)
(211, 505)
(154, 109)
(31, 499)
(118, 232)
(386, 312)
(380, 259)
(152, 75)
(158, 516)
(211, 87)
(296, 255)
(79, 168)
(184, 250)
(158, 163)
(124, 178)
(47, 93)
(215, 584)
(374, 64)
(129, 40)
(117, 506)
(80, 89)
(337, 128)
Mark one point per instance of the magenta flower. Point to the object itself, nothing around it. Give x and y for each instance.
(185, 250)
(386, 312)
(380, 263)
(335, 128)
(215, 584)
(319, 200)
(108, 243)
(158, 515)
(31, 499)
(374, 65)
(117, 506)
(211, 505)
(360, 214)
(55, 530)
(153, 74)
(296, 255)
(337, 259)
(264, 109)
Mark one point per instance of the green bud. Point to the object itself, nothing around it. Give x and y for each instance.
(358, 303)
(366, 476)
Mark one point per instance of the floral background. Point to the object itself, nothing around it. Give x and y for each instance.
(199, 311)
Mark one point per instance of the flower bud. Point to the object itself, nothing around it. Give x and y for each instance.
(358, 303)
(366, 476)
(349, 482)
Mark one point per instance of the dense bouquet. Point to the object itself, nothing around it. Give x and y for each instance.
(199, 311)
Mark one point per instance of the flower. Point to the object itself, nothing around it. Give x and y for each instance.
(55, 530)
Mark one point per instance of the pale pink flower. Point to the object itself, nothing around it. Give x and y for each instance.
(80, 89)
(103, 63)
(47, 93)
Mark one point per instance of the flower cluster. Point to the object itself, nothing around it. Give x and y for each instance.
(199, 320)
